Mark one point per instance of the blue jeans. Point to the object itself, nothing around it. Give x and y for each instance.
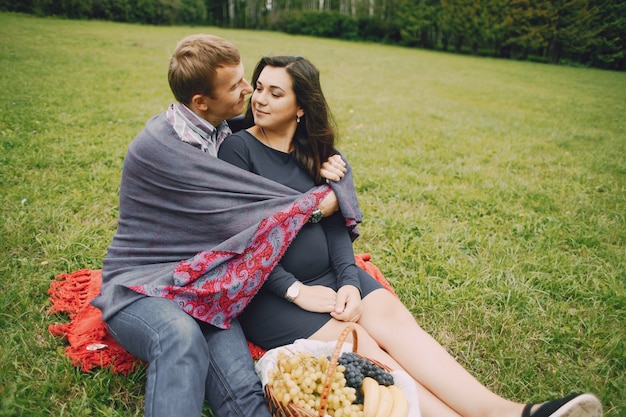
(189, 361)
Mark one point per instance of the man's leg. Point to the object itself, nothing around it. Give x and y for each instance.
(232, 385)
(157, 331)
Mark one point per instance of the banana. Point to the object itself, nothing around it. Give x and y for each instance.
(385, 402)
(400, 403)
(371, 396)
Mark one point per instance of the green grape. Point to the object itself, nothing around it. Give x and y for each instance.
(299, 378)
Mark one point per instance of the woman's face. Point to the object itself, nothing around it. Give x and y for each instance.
(273, 100)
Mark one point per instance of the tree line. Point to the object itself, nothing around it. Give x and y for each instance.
(583, 32)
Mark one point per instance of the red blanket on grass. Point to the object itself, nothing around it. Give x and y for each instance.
(90, 344)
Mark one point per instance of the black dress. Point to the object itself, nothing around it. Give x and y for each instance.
(321, 254)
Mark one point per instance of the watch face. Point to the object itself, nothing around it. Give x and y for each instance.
(316, 216)
(293, 291)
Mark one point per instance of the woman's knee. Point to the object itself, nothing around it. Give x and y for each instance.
(384, 307)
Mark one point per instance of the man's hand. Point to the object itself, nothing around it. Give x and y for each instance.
(316, 298)
(348, 305)
(334, 169)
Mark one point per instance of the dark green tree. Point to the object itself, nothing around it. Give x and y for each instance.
(417, 20)
(461, 19)
(528, 30)
(572, 29)
(609, 50)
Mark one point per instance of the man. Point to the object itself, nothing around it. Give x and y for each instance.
(164, 219)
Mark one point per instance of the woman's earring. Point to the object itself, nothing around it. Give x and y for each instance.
(298, 118)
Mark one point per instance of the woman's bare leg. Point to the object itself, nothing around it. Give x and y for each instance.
(390, 323)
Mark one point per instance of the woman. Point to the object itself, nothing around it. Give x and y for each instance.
(316, 289)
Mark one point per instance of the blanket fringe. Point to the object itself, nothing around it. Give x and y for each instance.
(90, 344)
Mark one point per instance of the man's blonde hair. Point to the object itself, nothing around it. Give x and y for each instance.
(194, 63)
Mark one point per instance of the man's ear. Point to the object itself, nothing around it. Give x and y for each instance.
(199, 103)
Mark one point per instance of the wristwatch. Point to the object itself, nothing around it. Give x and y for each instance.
(293, 291)
(316, 216)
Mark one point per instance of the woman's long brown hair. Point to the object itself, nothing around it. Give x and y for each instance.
(314, 140)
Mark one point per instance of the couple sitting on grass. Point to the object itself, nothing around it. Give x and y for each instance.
(225, 237)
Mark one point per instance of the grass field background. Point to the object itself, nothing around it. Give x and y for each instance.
(494, 194)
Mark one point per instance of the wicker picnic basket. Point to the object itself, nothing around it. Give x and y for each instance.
(278, 409)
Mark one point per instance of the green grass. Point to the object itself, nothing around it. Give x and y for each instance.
(494, 193)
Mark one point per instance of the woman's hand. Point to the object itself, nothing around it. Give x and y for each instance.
(316, 298)
(334, 169)
(348, 304)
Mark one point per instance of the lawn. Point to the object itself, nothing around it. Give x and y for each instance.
(494, 194)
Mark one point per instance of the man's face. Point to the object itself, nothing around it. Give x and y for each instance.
(228, 98)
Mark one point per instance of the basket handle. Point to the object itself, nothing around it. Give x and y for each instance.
(332, 365)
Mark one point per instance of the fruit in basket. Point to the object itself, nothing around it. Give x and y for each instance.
(371, 396)
(299, 379)
(385, 401)
(400, 403)
(358, 367)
